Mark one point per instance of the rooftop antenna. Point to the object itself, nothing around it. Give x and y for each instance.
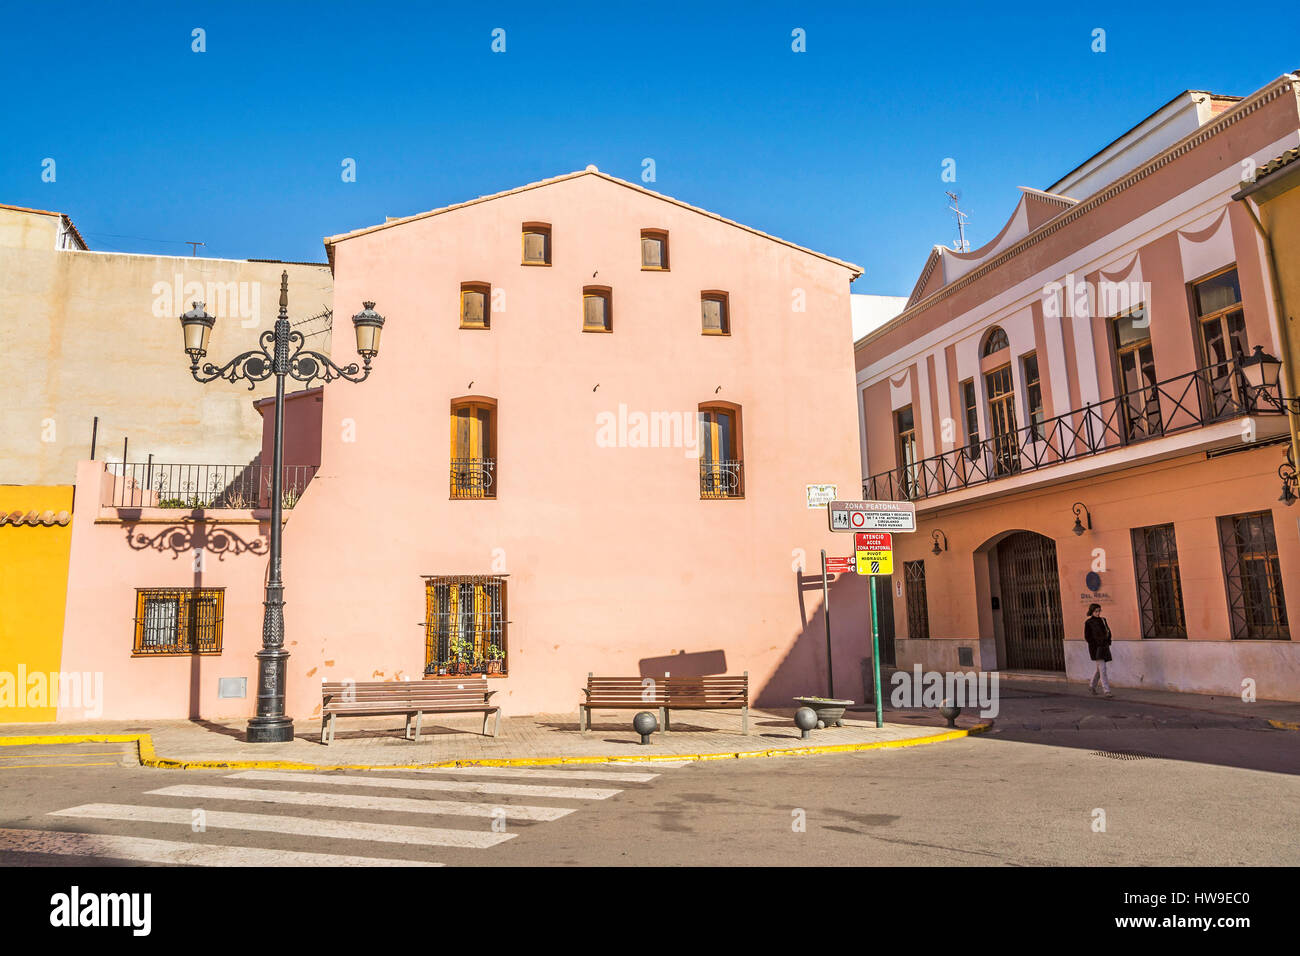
(194, 246)
(961, 245)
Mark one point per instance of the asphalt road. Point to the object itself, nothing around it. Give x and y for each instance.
(1213, 795)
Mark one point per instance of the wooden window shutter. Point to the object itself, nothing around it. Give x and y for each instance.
(712, 310)
(534, 247)
(652, 252)
(473, 307)
(594, 311)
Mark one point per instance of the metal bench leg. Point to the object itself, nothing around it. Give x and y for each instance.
(584, 719)
(496, 724)
(323, 721)
(663, 718)
(408, 726)
(486, 715)
(419, 723)
(744, 721)
(332, 719)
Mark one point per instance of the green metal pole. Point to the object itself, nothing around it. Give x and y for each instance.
(875, 653)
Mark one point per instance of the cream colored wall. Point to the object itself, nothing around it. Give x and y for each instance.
(79, 337)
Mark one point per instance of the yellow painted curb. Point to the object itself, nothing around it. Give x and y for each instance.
(1284, 724)
(149, 758)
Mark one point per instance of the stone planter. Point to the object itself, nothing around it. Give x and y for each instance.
(829, 712)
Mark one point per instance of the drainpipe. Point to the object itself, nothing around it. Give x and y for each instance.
(1280, 319)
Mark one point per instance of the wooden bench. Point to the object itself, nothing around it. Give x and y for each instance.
(412, 699)
(665, 694)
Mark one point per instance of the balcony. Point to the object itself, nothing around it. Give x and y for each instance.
(473, 477)
(1198, 399)
(200, 487)
(722, 479)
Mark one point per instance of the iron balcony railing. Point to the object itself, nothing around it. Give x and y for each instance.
(721, 479)
(473, 477)
(190, 487)
(1193, 400)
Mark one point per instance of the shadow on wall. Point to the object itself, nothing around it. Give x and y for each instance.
(803, 670)
(682, 664)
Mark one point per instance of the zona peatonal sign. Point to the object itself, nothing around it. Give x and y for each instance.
(871, 515)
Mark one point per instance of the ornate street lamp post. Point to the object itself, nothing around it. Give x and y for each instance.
(279, 353)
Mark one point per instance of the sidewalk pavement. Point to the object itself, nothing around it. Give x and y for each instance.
(536, 739)
(1052, 703)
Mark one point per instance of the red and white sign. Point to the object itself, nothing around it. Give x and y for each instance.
(840, 565)
(871, 515)
(873, 541)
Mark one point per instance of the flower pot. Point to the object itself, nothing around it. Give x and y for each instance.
(494, 667)
(829, 712)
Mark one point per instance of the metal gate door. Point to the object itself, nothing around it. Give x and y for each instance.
(1031, 602)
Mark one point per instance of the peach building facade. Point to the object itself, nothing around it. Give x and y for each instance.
(1065, 406)
(586, 447)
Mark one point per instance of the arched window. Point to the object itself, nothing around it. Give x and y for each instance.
(995, 341)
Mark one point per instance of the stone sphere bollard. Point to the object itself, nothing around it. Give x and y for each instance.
(645, 724)
(805, 718)
(950, 711)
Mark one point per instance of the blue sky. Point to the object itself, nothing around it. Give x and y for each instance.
(839, 148)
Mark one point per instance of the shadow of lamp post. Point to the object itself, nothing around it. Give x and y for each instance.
(280, 353)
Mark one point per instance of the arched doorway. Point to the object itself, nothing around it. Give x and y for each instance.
(1030, 587)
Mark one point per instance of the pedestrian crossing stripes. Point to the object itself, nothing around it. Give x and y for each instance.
(298, 826)
(459, 786)
(305, 805)
(147, 850)
(350, 801)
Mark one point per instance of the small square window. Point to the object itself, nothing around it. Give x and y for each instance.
(536, 244)
(474, 305)
(714, 319)
(654, 250)
(596, 312)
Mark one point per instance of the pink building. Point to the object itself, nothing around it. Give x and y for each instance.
(586, 447)
(1067, 407)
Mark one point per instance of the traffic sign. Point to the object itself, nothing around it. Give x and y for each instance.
(840, 565)
(871, 516)
(873, 541)
(875, 562)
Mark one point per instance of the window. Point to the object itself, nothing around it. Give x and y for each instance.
(1136, 366)
(536, 243)
(475, 299)
(714, 318)
(1223, 338)
(1033, 395)
(473, 449)
(178, 621)
(597, 313)
(918, 611)
(1004, 442)
(721, 467)
(1253, 575)
(995, 341)
(1159, 585)
(464, 624)
(905, 430)
(969, 403)
(654, 250)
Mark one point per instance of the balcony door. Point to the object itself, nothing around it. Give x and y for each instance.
(472, 450)
(1004, 442)
(1223, 338)
(1136, 365)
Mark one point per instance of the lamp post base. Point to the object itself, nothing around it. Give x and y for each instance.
(269, 730)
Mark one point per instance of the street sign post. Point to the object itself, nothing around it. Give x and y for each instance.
(873, 524)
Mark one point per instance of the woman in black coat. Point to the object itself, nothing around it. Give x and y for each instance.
(1097, 633)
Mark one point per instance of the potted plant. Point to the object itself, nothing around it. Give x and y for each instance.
(830, 712)
(463, 649)
(495, 656)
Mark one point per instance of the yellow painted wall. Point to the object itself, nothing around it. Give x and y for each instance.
(33, 593)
